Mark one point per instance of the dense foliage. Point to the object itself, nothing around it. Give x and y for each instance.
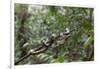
(34, 23)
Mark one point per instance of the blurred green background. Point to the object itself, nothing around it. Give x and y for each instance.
(34, 23)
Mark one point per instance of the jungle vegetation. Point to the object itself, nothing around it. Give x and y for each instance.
(44, 26)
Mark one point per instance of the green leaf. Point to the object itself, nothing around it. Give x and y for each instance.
(88, 42)
(61, 59)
